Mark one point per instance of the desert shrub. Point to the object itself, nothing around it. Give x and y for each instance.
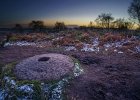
(111, 37)
(129, 46)
(14, 38)
(76, 34)
(84, 37)
(28, 37)
(73, 38)
(67, 41)
(101, 33)
(64, 41)
(79, 45)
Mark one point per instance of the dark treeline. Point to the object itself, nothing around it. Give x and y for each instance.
(104, 21)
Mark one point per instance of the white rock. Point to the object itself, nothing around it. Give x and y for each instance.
(9, 81)
(3, 94)
(107, 45)
(19, 43)
(138, 49)
(26, 88)
(58, 38)
(70, 48)
(115, 50)
(77, 70)
(90, 48)
(118, 44)
(96, 42)
(120, 52)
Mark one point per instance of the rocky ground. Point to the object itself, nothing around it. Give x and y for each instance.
(108, 76)
(50, 66)
(111, 71)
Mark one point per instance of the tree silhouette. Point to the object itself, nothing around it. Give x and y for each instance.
(37, 26)
(90, 25)
(18, 28)
(122, 23)
(134, 10)
(105, 19)
(59, 26)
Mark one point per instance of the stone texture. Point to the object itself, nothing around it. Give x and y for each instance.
(55, 67)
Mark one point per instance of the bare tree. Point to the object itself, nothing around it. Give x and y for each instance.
(60, 26)
(122, 23)
(37, 25)
(134, 10)
(18, 28)
(105, 19)
(90, 24)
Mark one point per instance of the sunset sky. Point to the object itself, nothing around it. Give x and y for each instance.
(79, 12)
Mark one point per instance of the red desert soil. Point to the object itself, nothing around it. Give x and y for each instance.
(106, 77)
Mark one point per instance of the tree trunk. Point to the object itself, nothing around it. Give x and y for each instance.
(108, 25)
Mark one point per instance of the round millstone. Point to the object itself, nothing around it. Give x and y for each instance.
(44, 67)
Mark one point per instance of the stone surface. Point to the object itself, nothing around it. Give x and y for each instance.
(44, 67)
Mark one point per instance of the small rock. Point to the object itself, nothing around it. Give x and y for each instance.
(120, 52)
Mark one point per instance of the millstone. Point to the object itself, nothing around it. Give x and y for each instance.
(44, 67)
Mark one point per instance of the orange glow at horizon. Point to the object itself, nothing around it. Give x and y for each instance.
(78, 21)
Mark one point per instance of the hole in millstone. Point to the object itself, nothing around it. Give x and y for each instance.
(44, 59)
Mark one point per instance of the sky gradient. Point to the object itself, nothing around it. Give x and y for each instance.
(79, 12)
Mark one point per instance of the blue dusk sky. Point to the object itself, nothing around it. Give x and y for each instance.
(79, 12)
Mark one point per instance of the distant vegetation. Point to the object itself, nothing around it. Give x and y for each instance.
(104, 21)
(122, 23)
(18, 28)
(37, 26)
(134, 10)
(59, 26)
